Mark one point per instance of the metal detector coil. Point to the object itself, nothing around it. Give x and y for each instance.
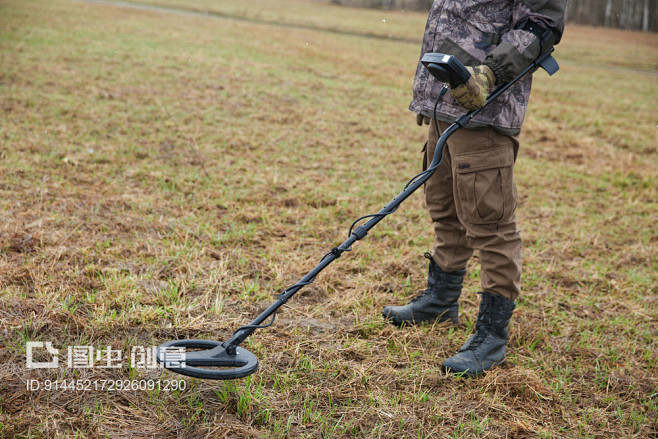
(229, 366)
(231, 361)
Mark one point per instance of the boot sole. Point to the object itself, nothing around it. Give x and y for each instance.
(402, 323)
(467, 374)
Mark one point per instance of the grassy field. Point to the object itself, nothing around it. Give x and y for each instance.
(166, 175)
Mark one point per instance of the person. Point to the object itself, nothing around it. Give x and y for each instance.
(471, 197)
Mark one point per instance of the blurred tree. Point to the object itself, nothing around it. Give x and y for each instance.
(623, 14)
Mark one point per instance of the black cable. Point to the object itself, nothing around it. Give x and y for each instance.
(336, 251)
(298, 284)
(372, 215)
(436, 126)
(442, 93)
(257, 326)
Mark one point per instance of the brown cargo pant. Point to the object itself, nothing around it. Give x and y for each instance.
(471, 199)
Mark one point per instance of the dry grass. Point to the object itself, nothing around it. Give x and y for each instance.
(165, 176)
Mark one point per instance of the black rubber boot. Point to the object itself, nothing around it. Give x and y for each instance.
(487, 347)
(439, 302)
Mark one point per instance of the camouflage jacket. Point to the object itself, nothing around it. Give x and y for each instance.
(486, 32)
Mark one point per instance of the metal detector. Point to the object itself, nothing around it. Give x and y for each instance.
(217, 360)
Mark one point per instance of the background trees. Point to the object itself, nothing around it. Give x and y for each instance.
(623, 14)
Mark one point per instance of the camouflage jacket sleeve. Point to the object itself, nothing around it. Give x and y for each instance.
(518, 47)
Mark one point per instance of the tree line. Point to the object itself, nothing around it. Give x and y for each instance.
(621, 14)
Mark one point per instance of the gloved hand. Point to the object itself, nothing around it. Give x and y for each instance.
(474, 93)
(420, 120)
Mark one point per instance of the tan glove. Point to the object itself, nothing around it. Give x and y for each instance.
(474, 93)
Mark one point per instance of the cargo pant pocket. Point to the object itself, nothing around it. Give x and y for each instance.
(485, 185)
